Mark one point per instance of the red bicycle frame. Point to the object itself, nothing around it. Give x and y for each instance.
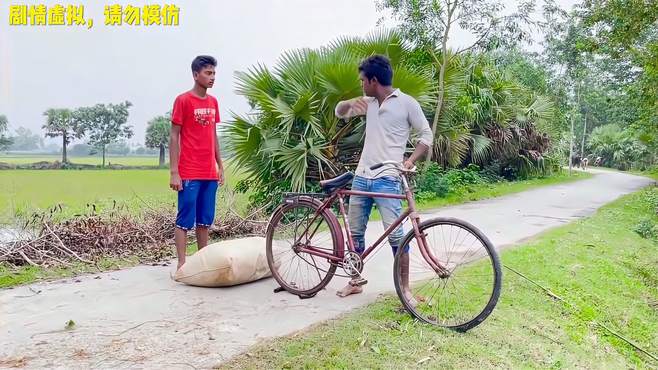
(410, 212)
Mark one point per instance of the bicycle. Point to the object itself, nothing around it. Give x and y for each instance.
(304, 228)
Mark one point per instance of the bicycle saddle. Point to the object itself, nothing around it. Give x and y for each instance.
(340, 182)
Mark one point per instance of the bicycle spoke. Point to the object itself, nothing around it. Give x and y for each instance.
(297, 229)
(455, 300)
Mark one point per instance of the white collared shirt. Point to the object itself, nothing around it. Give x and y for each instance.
(387, 131)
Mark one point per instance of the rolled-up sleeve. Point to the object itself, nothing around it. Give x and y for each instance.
(419, 123)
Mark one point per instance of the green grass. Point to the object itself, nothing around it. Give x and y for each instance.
(607, 272)
(13, 276)
(653, 173)
(94, 160)
(26, 191)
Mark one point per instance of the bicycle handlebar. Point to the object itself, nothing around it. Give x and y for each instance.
(377, 166)
(395, 164)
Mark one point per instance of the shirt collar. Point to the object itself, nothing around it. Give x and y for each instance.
(396, 93)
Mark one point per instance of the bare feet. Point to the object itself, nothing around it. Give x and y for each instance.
(180, 264)
(349, 290)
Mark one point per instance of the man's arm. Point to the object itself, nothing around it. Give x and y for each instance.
(218, 158)
(174, 151)
(351, 108)
(419, 123)
(343, 109)
(419, 152)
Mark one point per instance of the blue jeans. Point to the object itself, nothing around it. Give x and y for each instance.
(361, 206)
(196, 204)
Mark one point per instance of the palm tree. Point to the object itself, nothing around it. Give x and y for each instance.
(291, 138)
(62, 122)
(490, 117)
(618, 148)
(603, 142)
(292, 132)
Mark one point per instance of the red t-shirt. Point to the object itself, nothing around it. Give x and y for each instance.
(198, 118)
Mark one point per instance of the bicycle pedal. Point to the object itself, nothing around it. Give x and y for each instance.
(358, 282)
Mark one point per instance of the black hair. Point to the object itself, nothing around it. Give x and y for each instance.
(203, 61)
(377, 66)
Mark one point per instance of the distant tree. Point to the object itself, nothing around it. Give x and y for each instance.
(118, 148)
(80, 150)
(60, 123)
(5, 142)
(52, 148)
(25, 139)
(105, 124)
(157, 135)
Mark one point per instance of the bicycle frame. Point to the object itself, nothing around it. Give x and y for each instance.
(410, 213)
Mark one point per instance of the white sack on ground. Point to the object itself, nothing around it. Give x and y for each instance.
(226, 263)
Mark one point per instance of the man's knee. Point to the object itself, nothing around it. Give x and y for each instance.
(358, 219)
(185, 218)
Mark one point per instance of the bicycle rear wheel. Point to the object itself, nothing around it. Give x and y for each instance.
(468, 294)
(296, 224)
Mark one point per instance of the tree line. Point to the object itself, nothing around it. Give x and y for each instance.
(103, 127)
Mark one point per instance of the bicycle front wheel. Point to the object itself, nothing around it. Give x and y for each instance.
(466, 293)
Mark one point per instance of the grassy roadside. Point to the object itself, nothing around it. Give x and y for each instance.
(28, 274)
(25, 275)
(649, 173)
(607, 272)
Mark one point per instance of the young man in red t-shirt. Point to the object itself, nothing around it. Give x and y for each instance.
(196, 164)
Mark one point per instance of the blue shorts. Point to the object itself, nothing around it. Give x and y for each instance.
(196, 204)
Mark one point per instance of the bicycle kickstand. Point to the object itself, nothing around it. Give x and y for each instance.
(301, 296)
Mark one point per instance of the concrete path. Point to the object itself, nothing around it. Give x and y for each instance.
(140, 318)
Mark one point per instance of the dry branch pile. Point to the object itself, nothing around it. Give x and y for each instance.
(89, 238)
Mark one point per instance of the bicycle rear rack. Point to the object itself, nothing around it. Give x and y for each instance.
(297, 195)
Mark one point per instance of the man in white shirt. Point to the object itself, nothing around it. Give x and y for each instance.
(390, 116)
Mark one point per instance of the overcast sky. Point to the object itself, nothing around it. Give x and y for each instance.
(51, 67)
